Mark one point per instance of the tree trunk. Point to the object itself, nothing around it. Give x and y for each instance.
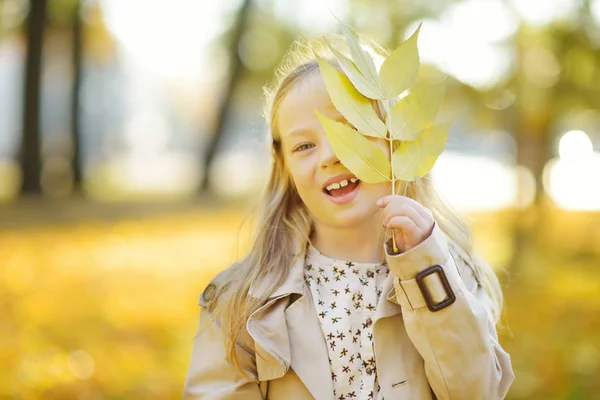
(532, 134)
(234, 76)
(30, 155)
(75, 98)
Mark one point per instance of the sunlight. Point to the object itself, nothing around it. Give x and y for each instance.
(238, 173)
(542, 12)
(575, 145)
(467, 42)
(488, 20)
(595, 11)
(568, 179)
(168, 37)
(314, 16)
(480, 184)
(146, 164)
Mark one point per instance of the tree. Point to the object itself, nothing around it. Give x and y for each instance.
(30, 157)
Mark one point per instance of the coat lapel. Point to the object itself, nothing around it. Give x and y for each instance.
(308, 347)
(287, 333)
(267, 326)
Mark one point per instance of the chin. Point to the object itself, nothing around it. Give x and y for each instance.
(342, 216)
(349, 218)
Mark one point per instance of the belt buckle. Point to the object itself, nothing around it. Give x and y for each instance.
(435, 269)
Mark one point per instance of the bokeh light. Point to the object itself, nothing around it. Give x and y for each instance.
(467, 42)
(168, 37)
(81, 364)
(239, 174)
(313, 16)
(595, 11)
(575, 145)
(476, 184)
(570, 179)
(541, 12)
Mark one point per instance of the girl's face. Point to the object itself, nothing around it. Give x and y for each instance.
(313, 165)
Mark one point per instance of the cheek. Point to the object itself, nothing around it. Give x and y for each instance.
(385, 188)
(378, 190)
(301, 176)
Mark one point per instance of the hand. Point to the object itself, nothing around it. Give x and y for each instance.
(412, 222)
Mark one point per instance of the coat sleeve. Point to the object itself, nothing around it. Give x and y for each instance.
(459, 343)
(210, 376)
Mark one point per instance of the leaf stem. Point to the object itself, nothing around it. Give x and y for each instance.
(386, 104)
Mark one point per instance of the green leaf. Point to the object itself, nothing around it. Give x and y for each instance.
(415, 158)
(356, 108)
(360, 155)
(363, 60)
(415, 112)
(362, 84)
(400, 69)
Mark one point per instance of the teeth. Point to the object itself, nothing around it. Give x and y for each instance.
(341, 184)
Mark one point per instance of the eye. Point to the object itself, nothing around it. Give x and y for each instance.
(303, 146)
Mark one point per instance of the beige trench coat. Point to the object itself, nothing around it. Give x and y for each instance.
(452, 353)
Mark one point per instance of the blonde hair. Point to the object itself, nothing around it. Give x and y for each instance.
(283, 220)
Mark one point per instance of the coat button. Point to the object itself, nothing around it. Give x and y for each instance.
(209, 292)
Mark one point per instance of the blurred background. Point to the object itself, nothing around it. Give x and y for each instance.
(132, 147)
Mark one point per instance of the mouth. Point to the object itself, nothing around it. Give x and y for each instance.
(343, 194)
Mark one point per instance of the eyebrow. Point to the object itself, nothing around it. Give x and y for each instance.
(297, 132)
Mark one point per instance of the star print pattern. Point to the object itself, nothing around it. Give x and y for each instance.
(345, 296)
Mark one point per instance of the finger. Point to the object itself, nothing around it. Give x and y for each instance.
(418, 213)
(404, 209)
(408, 227)
(423, 211)
(385, 200)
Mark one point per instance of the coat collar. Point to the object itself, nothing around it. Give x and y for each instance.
(294, 281)
(288, 333)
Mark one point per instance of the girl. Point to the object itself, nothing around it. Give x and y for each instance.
(322, 306)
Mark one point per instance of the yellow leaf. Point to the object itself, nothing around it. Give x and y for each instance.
(400, 69)
(350, 103)
(362, 84)
(361, 156)
(415, 158)
(363, 61)
(415, 112)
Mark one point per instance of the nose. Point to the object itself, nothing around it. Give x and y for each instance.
(328, 157)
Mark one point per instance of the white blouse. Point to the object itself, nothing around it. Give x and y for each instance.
(345, 296)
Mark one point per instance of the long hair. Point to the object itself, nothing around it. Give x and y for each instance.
(283, 220)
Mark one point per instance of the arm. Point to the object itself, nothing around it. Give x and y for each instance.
(210, 376)
(463, 359)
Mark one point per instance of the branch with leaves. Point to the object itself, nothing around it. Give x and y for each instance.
(409, 120)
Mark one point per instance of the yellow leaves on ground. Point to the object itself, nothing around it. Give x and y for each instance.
(360, 155)
(94, 308)
(71, 291)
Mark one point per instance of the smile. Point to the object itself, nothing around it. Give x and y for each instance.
(339, 194)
